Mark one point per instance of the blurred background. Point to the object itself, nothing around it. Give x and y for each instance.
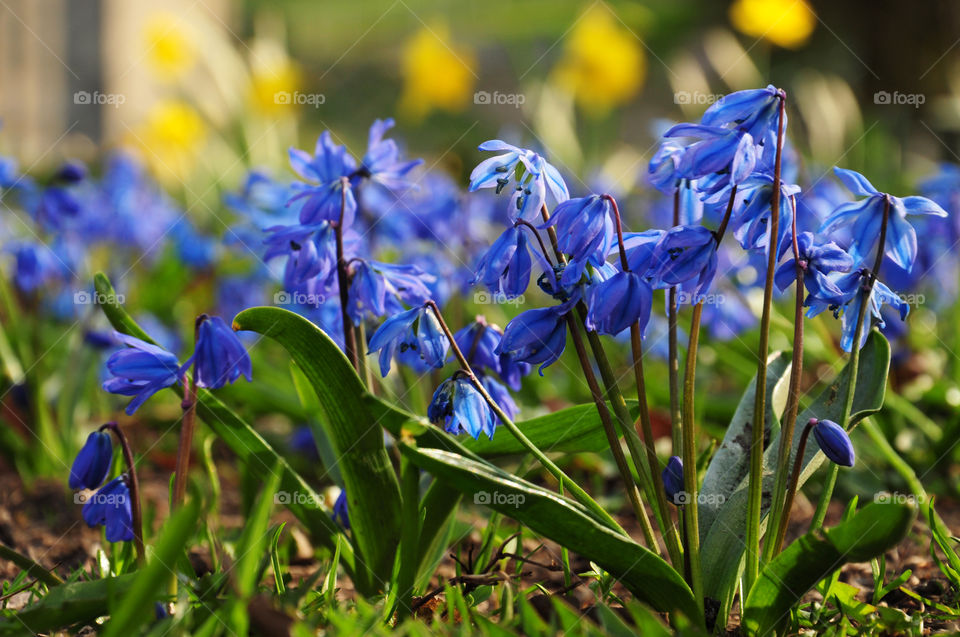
(205, 89)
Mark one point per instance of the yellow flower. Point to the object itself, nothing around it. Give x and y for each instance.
(171, 137)
(169, 49)
(603, 63)
(436, 75)
(786, 23)
(273, 89)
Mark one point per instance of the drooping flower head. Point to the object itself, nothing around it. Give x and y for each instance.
(458, 407)
(866, 215)
(673, 478)
(686, 253)
(324, 191)
(382, 288)
(532, 180)
(585, 231)
(219, 357)
(416, 333)
(340, 513)
(537, 336)
(618, 302)
(833, 441)
(140, 370)
(92, 464)
(817, 260)
(506, 266)
(110, 507)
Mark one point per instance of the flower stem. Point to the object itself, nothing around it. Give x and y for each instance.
(564, 480)
(780, 511)
(134, 486)
(187, 428)
(755, 487)
(343, 281)
(691, 518)
(643, 422)
(854, 364)
(673, 361)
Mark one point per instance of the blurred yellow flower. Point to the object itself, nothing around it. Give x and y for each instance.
(436, 75)
(786, 23)
(273, 87)
(171, 138)
(169, 49)
(603, 63)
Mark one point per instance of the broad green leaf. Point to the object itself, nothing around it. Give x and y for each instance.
(721, 563)
(731, 462)
(645, 574)
(371, 484)
(782, 582)
(135, 606)
(68, 604)
(248, 445)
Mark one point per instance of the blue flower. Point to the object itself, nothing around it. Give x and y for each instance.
(849, 301)
(72, 171)
(382, 161)
(619, 302)
(866, 216)
(585, 231)
(537, 176)
(506, 266)
(458, 407)
(686, 253)
(110, 507)
(753, 111)
(663, 172)
(817, 261)
(219, 357)
(140, 370)
(379, 288)
(641, 249)
(340, 514)
(478, 341)
(326, 168)
(833, 441)
(416, 330)
(303, 442)
(730, 151)
(673, 478)
(500, 396)
(750, 218)
(536, 336)
(35, 264)
(92, 464)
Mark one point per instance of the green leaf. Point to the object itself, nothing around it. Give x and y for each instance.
(645, 574)
(730, 464)
(68, 604)
(371, 484)
(248, 445)
(135, 606)
(873, 530)
(721, 563)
